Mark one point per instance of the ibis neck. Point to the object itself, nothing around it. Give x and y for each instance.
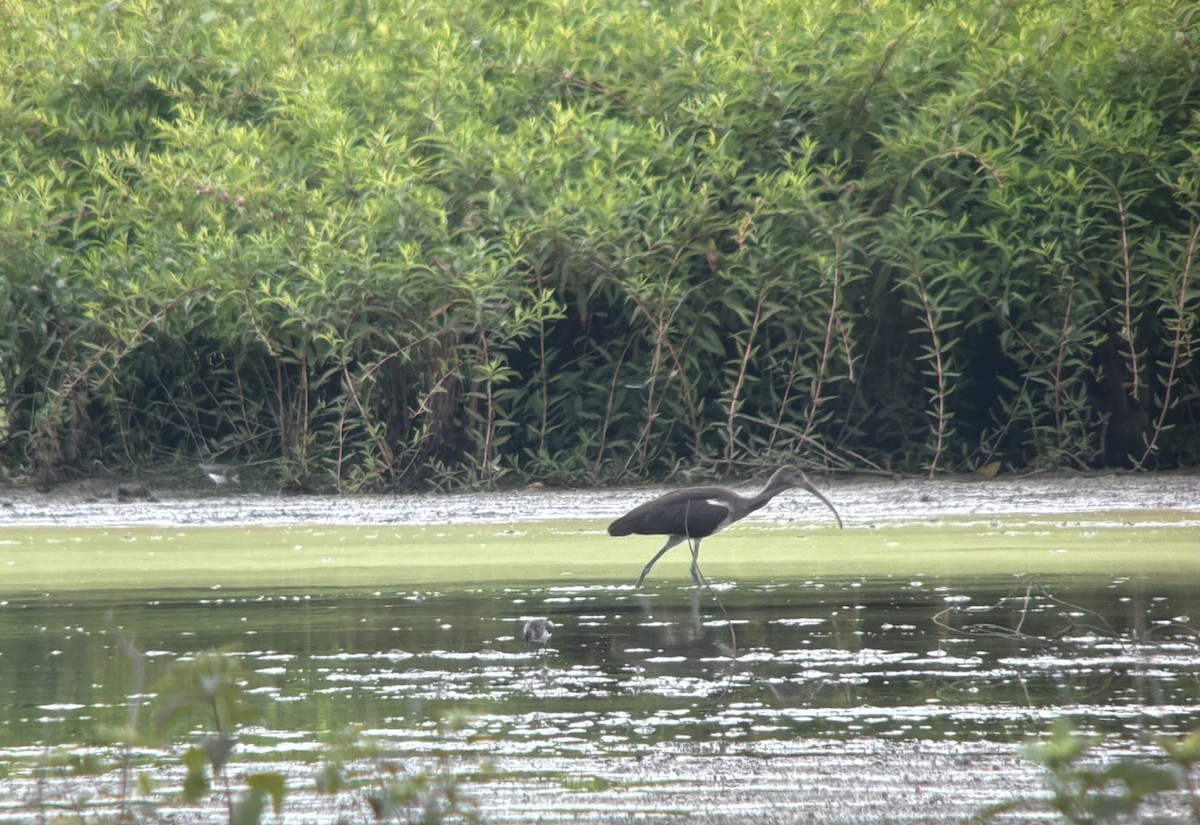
(759, 501)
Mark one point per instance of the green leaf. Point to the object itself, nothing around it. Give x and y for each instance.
(272, 784)
(249, 809)
(217, 748)
(195, 782)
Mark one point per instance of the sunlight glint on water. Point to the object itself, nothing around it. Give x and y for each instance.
(624, 670)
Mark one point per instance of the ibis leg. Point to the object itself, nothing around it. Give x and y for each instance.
(671, 542)
(697, 576)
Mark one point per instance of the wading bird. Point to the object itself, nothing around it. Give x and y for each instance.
(694, 513)
(538, 631)
(221, 473)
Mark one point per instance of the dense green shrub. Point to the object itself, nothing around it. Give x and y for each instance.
(416, 243)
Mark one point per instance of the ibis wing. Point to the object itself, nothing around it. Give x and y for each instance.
(682, 513)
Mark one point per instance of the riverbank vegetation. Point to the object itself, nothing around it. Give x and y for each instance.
(389, 245)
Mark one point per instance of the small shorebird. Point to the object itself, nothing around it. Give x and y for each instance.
(221, 473)
(538, 631)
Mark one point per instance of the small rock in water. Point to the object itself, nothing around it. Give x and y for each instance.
(538, 631)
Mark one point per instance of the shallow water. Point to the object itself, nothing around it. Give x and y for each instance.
(771, 671)
(897, 684)
(897, 659)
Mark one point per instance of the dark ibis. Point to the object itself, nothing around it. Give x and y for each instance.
(694, 513)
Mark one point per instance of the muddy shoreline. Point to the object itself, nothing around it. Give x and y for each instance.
(862, 501)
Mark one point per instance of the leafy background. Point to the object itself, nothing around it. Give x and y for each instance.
(400, 244)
